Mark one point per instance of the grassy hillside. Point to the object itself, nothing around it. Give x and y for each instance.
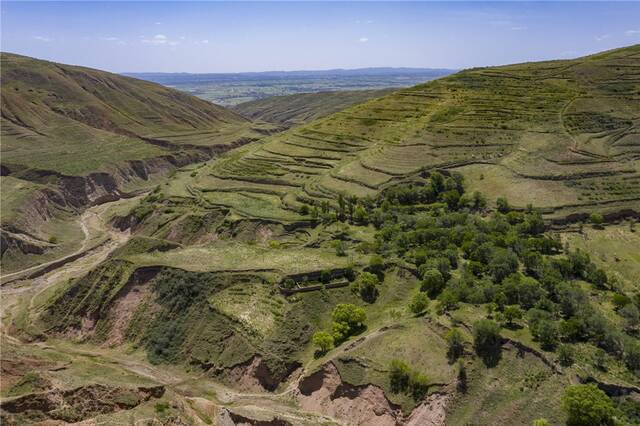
(355, 270)
(74, 120)
(562, 135)
(292, 110)
(74, 136)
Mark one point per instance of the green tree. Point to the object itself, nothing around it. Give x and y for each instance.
(432, 282)
(487, 341)
(367, 285)
(502, 264)
(350, 315)
(586, 405)
(512, 313)
(419, 303)
(455, 343)
(323, 340)
(540, 422)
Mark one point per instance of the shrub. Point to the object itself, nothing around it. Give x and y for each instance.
(586, 405)
(53, 239)
(503, 205)
(419, 303)
(596, 219)
(632, 355)
(398, 376)
(487, 341)
(566, 355)
(376, 265)
(323, 340)
(340, 247)
(462, 377)
(540, 422)
(455, 343)
(161, 407)
(419, 385)
(547, 334)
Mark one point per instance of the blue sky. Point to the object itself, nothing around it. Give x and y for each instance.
(245, 36)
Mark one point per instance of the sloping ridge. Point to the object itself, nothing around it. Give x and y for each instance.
(81, 135)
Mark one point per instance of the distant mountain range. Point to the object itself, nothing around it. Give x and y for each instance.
(178, 78)
(235, 88)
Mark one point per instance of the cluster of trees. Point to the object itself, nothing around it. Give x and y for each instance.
(504, 261)
(403, 379)
(347, 320)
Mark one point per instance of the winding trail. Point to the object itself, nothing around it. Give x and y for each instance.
(83, 221)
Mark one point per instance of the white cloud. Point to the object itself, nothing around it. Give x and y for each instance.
(158, 23)
(630, 33)
(159, 39)
(518, 28)
(109, 38)
(602, 37)
(42, 38)
(205, 42)
(363, 39)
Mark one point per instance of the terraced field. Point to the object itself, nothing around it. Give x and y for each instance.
(293, 110)
(560, 134)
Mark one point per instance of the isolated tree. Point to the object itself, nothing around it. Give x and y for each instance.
(419, 303)
(586, 405)
(324, 341)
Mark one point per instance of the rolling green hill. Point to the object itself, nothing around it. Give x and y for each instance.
(292, 110)
(562, 135)
(74, 136)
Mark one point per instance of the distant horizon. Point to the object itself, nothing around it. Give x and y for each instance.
(244, 37)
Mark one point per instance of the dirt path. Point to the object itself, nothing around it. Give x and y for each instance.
(85, 219)
(24, 293)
